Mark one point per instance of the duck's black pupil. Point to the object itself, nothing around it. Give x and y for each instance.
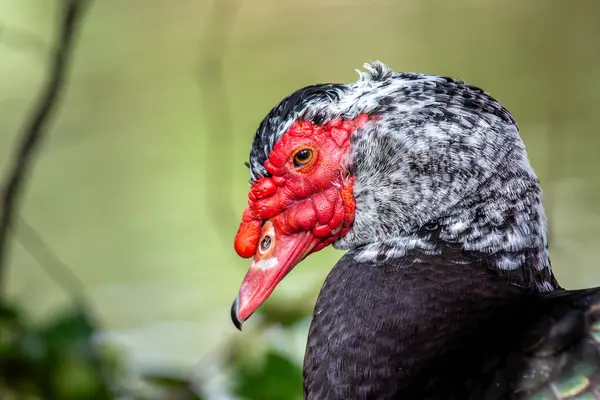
(301, 157)
(265, 243)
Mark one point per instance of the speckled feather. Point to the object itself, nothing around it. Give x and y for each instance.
(438, 151)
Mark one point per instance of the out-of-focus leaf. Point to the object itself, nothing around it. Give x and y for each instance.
(69, 330)
(285, 314)
(289, 313)
(32, 347)
(10, 328)
(173, 387)
(73, 377)
(112, 356)
(278, 378)
(167, 381)
(73, 363)
(8, 314)
(23, 363)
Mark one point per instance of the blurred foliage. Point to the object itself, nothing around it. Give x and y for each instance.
(278, 378)
(59, 359)
(55, 360)
(286, 314)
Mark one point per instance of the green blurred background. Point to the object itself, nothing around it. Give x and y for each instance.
(140, 181)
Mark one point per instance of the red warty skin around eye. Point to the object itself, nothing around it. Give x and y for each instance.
(315, 197)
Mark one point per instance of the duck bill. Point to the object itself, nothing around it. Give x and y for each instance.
(274, 259)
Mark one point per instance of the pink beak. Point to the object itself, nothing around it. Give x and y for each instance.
(275, 257)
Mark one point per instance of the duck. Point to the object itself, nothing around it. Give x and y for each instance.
(445, 289)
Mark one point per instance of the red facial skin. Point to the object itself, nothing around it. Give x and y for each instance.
(301, 208)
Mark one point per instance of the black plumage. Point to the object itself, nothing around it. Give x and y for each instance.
(448, 327)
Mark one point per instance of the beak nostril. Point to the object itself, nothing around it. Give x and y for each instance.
(265, 243)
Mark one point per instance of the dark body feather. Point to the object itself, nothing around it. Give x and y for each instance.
(447, 327)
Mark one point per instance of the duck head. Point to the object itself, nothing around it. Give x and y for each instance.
(375, 166)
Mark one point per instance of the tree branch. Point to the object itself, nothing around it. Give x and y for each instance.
(52, 265)
(34, 129)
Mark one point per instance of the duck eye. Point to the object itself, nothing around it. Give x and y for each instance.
(265, 243)
(302, 157)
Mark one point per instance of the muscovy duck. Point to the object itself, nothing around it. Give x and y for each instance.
(446, 290)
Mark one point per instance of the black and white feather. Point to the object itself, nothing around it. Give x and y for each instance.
(440, 151)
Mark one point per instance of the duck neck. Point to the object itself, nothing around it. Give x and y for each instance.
(500, 226)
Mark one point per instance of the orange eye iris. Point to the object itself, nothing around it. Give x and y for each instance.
(302, 157)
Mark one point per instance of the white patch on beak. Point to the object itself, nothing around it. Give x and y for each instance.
(266, 263)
